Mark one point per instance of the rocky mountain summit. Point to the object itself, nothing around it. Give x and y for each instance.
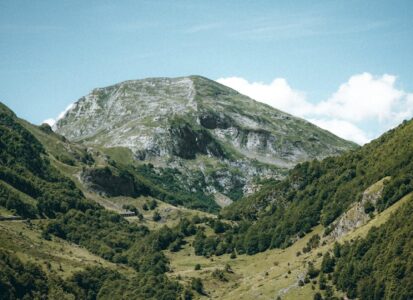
(193, 124)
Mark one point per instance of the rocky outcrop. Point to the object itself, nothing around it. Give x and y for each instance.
(359, 214)
(187, 142)
(211, 120)
(109, 183)
(222, 200)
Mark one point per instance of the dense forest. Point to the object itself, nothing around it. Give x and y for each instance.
(25, 169)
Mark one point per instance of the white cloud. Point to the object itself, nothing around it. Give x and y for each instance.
(363, 97)
(52, 121)
(360, 104)
(278, 94)
(63, 113)
(343, 129)
(49, 121)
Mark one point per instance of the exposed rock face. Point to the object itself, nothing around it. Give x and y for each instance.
(187, 142)
(104, 181)
(222, 200)
(356, 216)
(193, 123)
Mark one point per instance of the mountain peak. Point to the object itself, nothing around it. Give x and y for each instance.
(133, 112)
(194, 123)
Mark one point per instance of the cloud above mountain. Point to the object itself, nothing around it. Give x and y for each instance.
(361, 109)
(52, 121)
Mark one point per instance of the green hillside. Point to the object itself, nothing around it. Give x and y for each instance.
(109, 171)
(33, 188)
(29, 184)
(318, 192)
(379, 266)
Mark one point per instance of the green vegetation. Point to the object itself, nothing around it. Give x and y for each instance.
(156, 216)
(102, 232)
(197, 286)
(146, 180)
(32, 187)
(166, 184)
(379, 266)
(113, 182)
(99, 283)
(115, 239)
(25, 169)
(123, 258)
(20, 280)
(318, 192)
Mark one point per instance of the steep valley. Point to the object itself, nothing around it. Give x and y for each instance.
(184, 189)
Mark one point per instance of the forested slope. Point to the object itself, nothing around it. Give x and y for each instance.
(29, 184)
(33, 188)
(379, 266)
(318, 192)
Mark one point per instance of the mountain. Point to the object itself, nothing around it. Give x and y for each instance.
(339, 227)
(215, 140)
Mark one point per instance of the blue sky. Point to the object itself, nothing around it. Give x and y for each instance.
(54, 52)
